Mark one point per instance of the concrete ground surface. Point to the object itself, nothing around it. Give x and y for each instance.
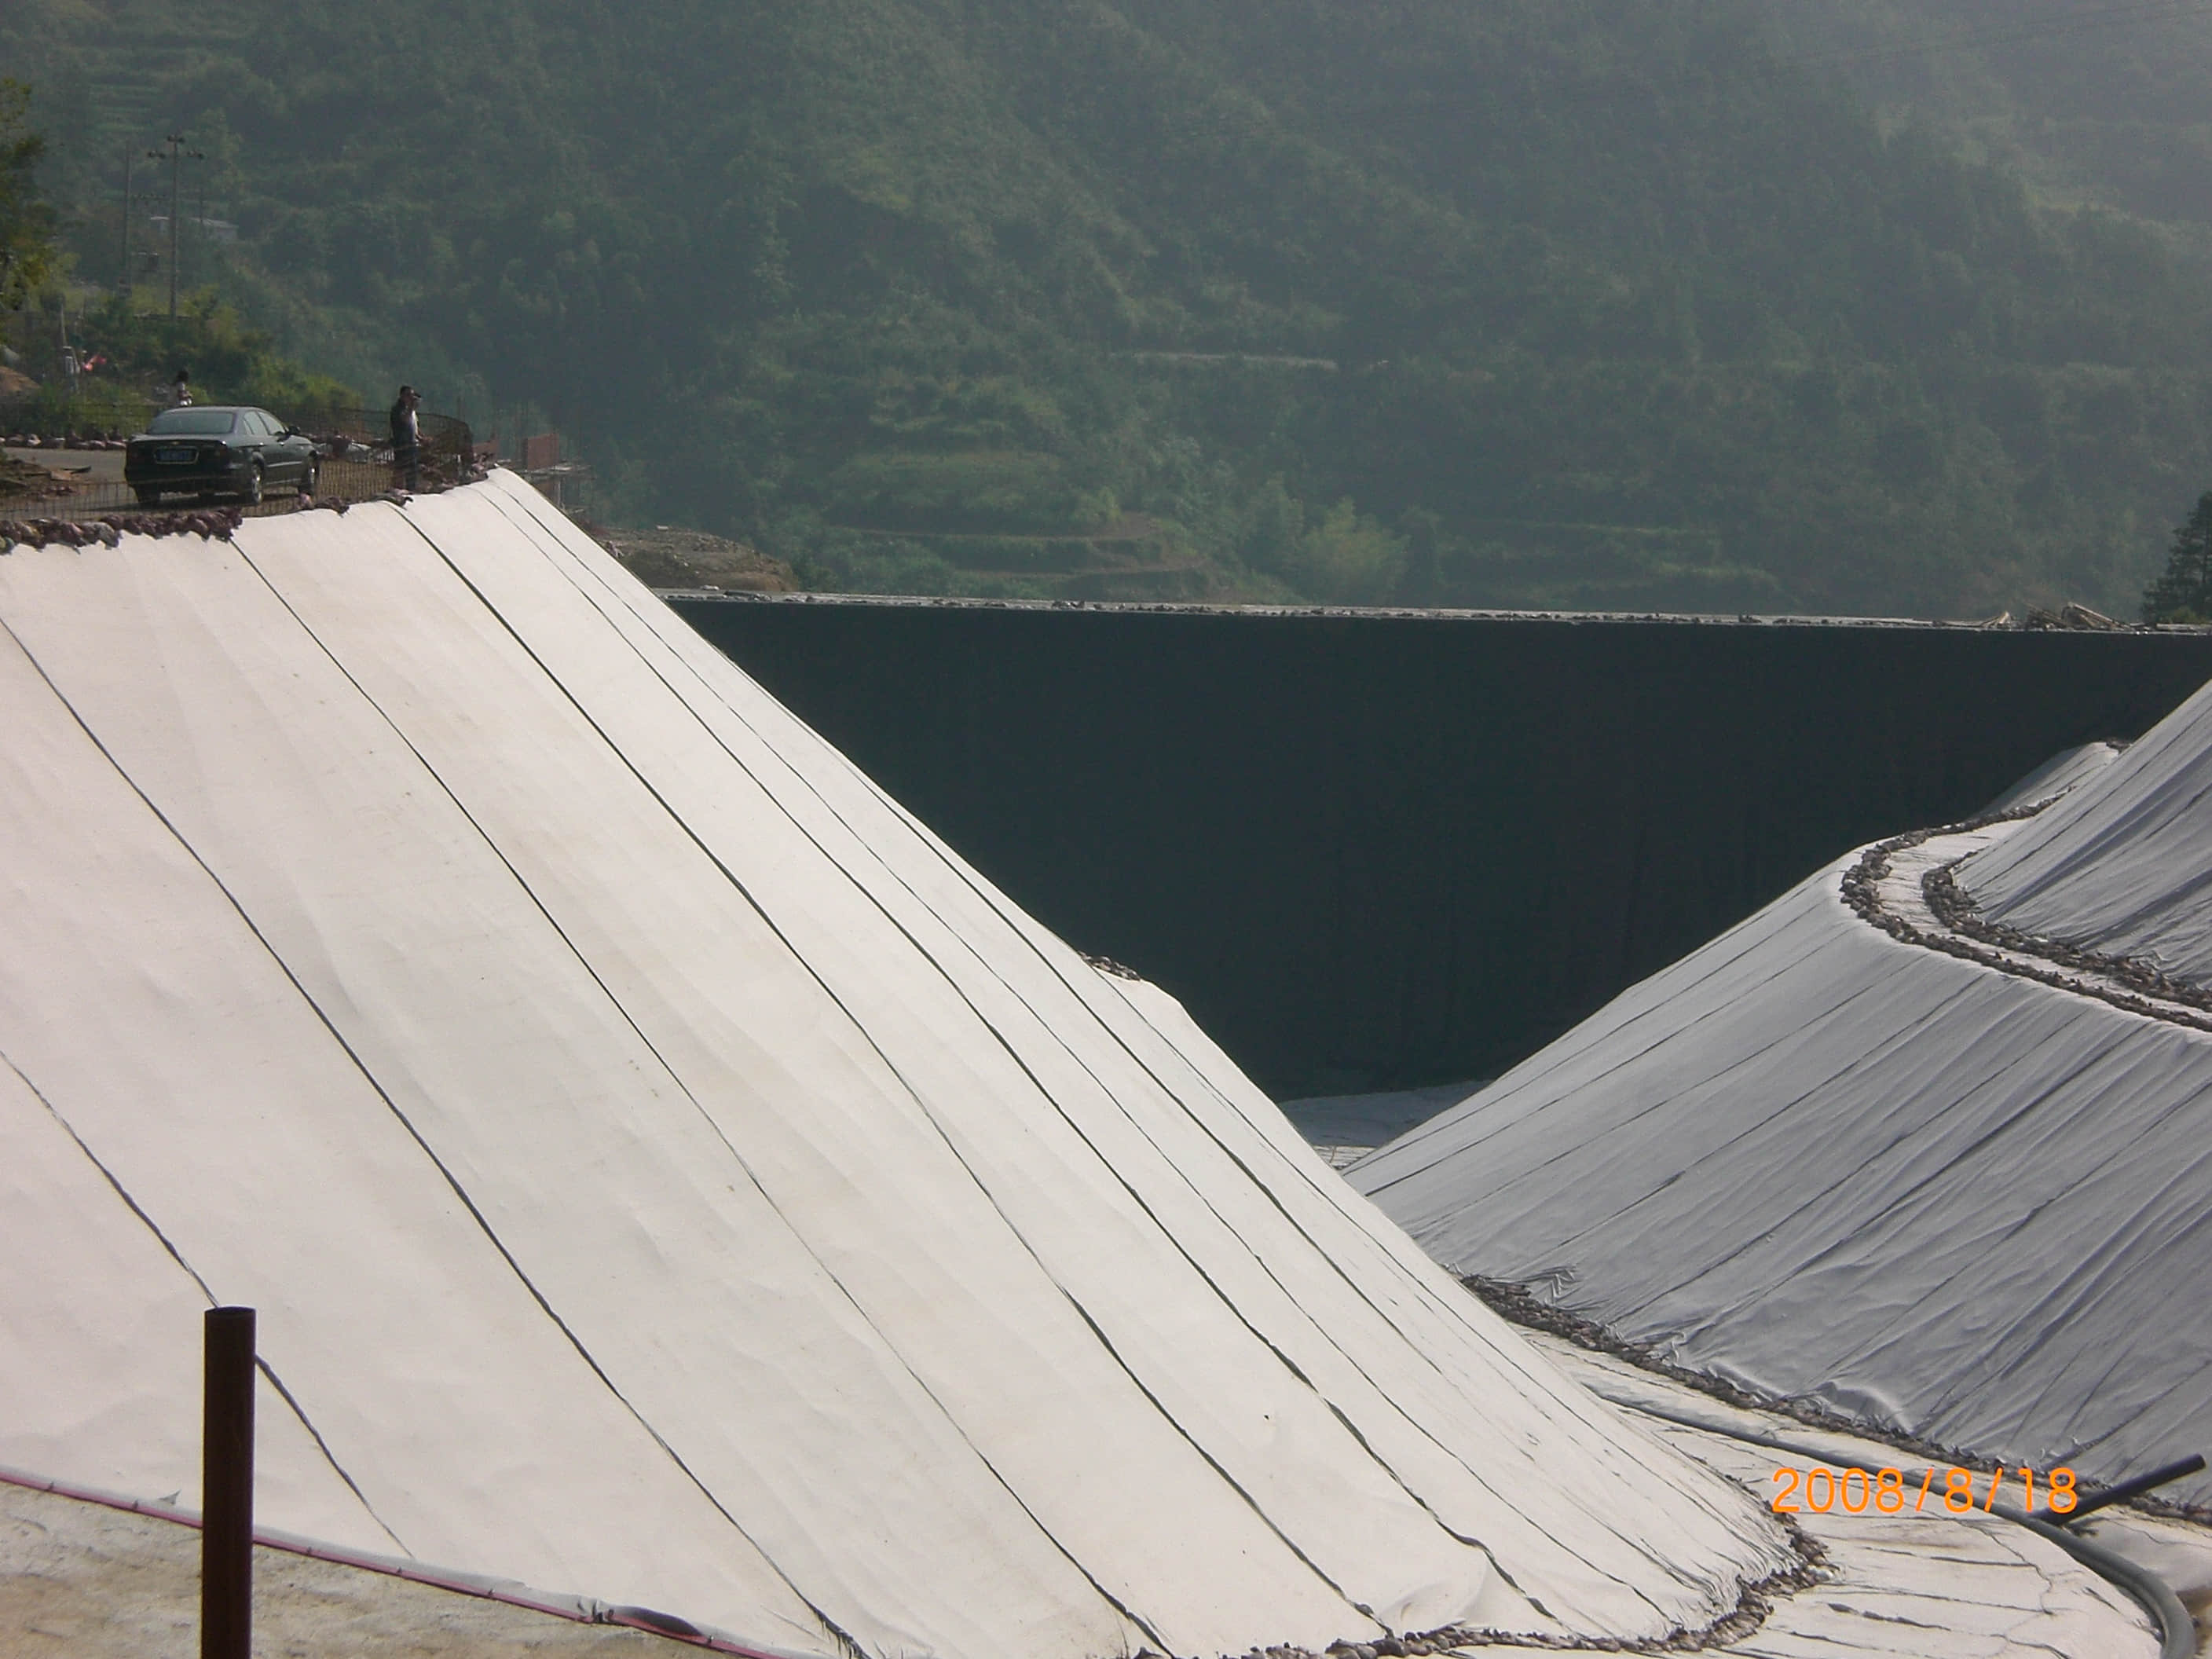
(1932, 1586)
(97, 465)
(82, 1581)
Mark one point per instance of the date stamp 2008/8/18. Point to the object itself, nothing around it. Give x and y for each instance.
(1888, 1491)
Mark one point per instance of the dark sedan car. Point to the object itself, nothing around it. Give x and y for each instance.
(215, 451)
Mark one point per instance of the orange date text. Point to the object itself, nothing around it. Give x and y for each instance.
(1892, 1492)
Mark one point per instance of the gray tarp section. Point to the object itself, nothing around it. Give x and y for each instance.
(1826, 1162)
(2124, 868)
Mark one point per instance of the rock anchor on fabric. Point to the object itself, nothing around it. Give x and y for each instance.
(1924, 1143)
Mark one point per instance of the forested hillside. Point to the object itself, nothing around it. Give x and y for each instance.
(2094, 100)
(1528, 303)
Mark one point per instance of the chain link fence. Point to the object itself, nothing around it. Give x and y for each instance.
(63, 468)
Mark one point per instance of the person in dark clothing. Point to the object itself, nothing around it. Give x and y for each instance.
(406, 440)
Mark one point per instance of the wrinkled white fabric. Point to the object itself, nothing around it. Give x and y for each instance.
(666, 1173)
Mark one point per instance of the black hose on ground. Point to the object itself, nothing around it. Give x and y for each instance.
(2106, 1496)
(2177, 1629)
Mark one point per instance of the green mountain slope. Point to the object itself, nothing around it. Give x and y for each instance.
(1538, 302)
(2100, 100)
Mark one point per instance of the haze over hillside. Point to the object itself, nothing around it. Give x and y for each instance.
(2094, 100)
(1528, 303)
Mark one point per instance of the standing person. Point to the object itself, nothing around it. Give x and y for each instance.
(180, 390)
(406, 440)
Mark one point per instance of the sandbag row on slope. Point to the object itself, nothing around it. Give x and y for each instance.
(1829, 1165)
(2122, 865)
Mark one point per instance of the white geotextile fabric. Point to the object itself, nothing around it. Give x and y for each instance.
(2123, 863)
(1827, 1165)
(666, 1172)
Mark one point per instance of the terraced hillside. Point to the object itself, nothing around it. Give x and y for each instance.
(1517, 304)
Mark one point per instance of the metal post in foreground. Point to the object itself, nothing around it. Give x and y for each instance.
(227, 1488)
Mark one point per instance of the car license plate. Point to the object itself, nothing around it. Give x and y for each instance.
(176, 456)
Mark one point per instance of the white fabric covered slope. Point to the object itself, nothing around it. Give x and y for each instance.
(2124, 866)
(666, 1173)
(1830, 1165)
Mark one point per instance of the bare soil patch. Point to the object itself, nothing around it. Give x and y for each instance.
(669, 556)
(23, 481)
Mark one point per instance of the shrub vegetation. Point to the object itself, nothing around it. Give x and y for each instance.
(1522, 303)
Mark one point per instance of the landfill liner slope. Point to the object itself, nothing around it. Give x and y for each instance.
(666, 1173)
(1944, 1197)
(2123, 866)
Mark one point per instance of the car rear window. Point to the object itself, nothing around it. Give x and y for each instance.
(192, 422)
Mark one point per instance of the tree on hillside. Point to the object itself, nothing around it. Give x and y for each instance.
(26, 224)
(2184, 593)
(1581, 307)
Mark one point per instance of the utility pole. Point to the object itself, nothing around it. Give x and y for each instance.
(122, 282)
(176, 158)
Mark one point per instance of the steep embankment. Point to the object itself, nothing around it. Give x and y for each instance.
(2123, 871)
(1855, 1151)
(666, 1172)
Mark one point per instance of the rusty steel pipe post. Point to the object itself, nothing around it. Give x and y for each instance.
(226, 1487)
